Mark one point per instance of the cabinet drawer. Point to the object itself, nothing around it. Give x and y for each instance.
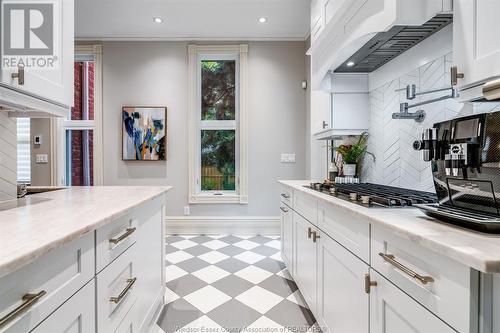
(116, 291)
(346, 229)
(54, 278)
(306, 205)
(113, 239)
(442, 285)
(76, 315)
(287, 195)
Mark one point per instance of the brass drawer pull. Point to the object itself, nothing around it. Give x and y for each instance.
(309, 232)
(127, 233)
(284, 210)
(286, 196)
(19, 75)
(28, 301)
(315, 236)
(117, 299)
(369, 283)
(391, 260)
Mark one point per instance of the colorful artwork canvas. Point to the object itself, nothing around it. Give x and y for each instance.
(144, 133)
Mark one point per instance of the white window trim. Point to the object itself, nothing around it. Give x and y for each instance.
(59, 126)
(241, 194)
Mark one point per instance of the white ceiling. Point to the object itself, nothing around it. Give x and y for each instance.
(192, 19)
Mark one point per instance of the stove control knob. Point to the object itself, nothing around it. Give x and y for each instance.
(353, 196)
(365, 199)
(418, 145)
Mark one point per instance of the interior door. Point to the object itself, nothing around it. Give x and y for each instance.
(305, 259)
(343, 304)
(476, 46)
(287, 236)
(393, 311)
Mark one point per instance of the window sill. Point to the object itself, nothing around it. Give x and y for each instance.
(218, 199)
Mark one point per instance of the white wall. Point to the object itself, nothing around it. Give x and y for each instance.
(428, 66)
(155, 73)
(8, 153)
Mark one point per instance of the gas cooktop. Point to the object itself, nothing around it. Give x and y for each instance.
(375, 195)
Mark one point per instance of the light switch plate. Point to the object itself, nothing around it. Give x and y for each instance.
(42, 159)
(287, 158)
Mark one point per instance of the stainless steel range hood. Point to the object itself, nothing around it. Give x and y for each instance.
(387, 45)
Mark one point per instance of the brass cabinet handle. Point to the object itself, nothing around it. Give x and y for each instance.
(117, 299)
(19, 75)
(369, 283)
(455, 75)
(286, 196)
(309, 232)
(315, 236)
(127, 233)
(391, 260)
(284, 210)
(28, 301)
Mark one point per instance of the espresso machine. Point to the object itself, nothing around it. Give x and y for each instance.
(465, 157)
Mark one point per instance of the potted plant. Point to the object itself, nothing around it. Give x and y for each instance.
(352, 154)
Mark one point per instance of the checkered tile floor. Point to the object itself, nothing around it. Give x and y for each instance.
(230, 283)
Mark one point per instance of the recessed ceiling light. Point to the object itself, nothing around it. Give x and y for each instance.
(157, 20)
(350, 64)
(262, 19)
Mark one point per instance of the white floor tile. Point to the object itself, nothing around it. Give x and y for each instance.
(259, 299)
(245, 236)
(249, 257)
(157, 329)
(215, 244)
(173, 272)
(275, 244)
(297, 298)
(170, 296)
(246, 244)
(184, 244)
(210, 274)
(213, 257)
(178, 256)
(285, 274)
(265, 325)
(189, 236)
(201, 325)
(274, 237)
(253, 274)
(207, 298)
(277, 256)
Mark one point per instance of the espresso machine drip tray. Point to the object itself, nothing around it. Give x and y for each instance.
(475, 220)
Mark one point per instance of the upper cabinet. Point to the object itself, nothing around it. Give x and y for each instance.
(38, 80)
(476, 46)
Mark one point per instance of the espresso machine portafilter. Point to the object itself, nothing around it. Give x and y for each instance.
(428, 145)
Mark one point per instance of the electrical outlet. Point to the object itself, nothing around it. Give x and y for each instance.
(187, 210)
(287, 158)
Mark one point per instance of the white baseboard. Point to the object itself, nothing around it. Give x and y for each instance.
(262, 225)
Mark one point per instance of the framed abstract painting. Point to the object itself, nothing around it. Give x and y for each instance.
(144, 133)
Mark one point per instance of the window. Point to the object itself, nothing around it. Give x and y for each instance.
(23, 151)
(79, 151)
(217, 124)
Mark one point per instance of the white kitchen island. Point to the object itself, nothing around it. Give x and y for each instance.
(83, 259)
(388, 270)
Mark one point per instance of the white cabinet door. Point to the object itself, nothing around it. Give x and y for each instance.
(393, 311)
(305, 259)
(77, 315)
(54, 84)
(287, 236)
(476, 46)
(343, 304)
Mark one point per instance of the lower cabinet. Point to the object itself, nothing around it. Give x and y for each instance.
(76, 315)
(287, 236)
(305, 259)
(392, 311)
(343, 304)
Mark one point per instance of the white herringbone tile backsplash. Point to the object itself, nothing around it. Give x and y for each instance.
(396, 162)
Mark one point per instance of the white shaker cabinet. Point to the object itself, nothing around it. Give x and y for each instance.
(287, 236)
(77, 315)
(342, 300)
(305, 259)
(476, 46)
(392, 311)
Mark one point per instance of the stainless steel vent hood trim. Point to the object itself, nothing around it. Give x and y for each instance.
(385, 46)
(491, 90)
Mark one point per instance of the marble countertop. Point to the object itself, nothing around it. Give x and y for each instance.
(477, 250)
(42, 222)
